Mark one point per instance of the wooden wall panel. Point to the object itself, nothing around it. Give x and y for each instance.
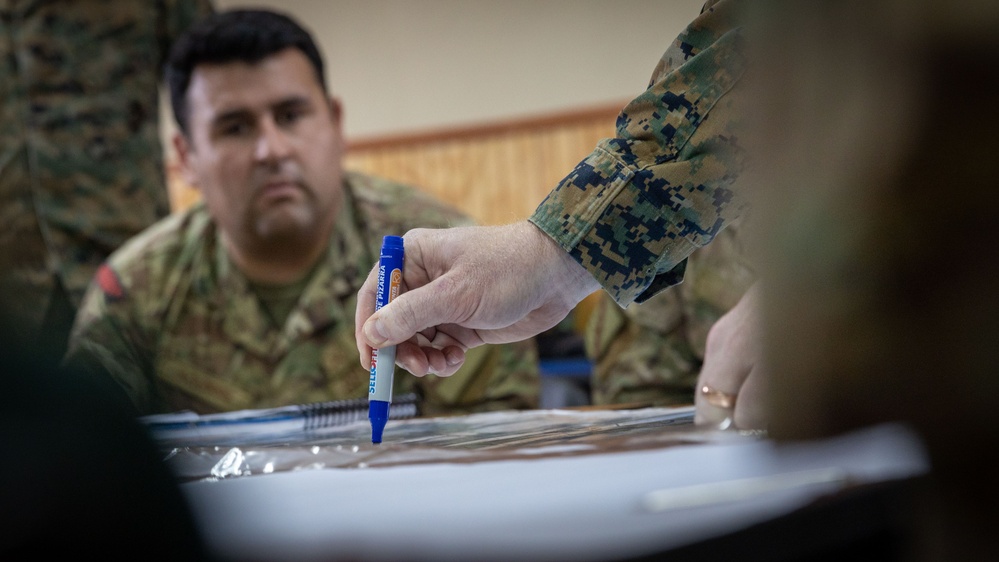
(496, 173)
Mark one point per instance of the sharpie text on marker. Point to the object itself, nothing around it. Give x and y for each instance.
(382, 371)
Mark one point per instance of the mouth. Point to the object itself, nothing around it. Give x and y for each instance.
(274, 191)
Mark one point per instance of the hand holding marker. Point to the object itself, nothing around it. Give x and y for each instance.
(383, 360)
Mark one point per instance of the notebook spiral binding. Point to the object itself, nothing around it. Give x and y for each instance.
(341, 412)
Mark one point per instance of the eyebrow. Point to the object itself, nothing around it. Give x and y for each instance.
(240, 112)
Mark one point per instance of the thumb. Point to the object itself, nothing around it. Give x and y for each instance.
(408, 313)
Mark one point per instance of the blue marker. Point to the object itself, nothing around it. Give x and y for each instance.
(383, 360)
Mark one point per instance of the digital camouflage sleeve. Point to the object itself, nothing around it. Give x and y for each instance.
(81, 165)
(639, 204)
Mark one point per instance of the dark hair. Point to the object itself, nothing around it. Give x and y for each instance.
(235, 35)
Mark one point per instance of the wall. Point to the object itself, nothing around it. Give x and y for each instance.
(404, 66)
(486, 104)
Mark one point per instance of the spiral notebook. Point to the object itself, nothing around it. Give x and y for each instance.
(293, 422)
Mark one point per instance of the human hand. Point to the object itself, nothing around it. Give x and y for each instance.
(730, 386)
(469, 286)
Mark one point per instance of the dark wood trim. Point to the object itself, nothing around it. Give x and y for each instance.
(608, 111)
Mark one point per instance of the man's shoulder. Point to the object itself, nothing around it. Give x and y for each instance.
(388, 202)
(159, 249)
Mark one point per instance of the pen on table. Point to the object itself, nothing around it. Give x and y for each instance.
(383, 360)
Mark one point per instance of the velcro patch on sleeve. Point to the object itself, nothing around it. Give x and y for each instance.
(109, 283)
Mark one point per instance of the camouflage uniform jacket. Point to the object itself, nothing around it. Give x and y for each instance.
(179, 327)
(80, 155)
(652, 354)
(639, 204)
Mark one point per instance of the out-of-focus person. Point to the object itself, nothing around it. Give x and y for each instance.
(876, 124)
(246, 300)
(81, 164)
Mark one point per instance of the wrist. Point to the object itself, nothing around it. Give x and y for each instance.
(575, 282)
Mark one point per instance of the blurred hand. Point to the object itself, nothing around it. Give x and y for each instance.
(731, 374)
(464, 287)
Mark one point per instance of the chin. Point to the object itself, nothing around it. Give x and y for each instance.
(285, 224)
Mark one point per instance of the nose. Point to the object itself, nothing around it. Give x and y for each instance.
(273, 143)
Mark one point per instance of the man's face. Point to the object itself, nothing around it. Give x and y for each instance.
(264, 146)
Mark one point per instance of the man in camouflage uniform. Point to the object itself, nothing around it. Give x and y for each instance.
(246, 300)
(652, 353)
(80, 157)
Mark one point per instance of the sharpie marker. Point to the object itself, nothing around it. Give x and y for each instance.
(383, 360)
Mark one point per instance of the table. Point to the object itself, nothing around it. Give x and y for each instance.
(538, 485)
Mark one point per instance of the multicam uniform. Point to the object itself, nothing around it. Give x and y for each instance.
(653, 352)
(80, 157)
(635, 208)
(180, 328)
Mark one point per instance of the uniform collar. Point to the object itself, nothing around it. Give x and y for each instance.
(328, 299)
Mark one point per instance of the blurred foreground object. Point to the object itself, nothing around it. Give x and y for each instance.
(78, 472)
(876, 157)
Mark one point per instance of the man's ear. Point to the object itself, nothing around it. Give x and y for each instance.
(185, 155)
(336, 112)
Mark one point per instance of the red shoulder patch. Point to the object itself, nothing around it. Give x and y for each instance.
(109, 282)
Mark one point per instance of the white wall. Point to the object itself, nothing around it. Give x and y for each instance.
(410, 65)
